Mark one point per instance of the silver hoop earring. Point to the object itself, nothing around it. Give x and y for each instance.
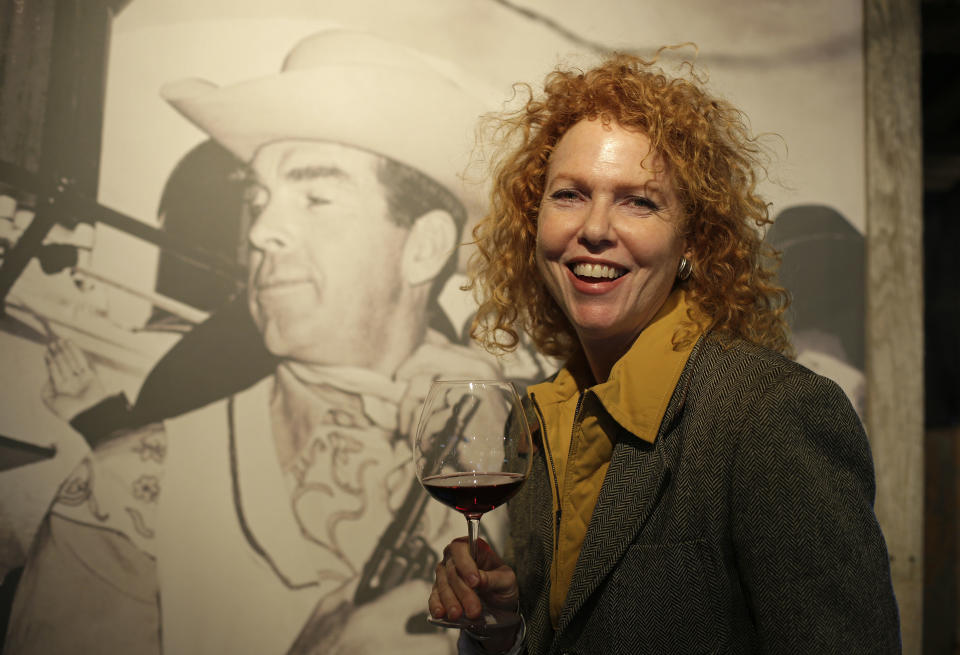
(685, 269)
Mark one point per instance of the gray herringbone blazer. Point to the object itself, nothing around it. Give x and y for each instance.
(747, 527)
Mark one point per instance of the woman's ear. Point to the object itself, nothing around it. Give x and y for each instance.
(429, 245)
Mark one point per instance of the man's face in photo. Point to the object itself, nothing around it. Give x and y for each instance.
(325, 259)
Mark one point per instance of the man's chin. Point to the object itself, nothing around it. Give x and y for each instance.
(284, 322)
(280, 299)
(304, 346)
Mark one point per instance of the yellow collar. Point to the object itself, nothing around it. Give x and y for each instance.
(642, 381)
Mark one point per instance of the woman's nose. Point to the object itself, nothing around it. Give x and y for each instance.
(597, 228)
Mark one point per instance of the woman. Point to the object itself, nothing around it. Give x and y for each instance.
(692, 489)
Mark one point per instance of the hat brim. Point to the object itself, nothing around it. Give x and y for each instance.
(422, 120)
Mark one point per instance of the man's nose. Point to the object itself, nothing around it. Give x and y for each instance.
(270, 231)
(597, 228)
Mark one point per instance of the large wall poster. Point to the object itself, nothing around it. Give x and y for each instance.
(196, 530)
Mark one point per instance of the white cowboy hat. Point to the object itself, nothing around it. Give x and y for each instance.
(351, 88)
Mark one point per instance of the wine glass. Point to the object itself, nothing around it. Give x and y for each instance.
(471, 452)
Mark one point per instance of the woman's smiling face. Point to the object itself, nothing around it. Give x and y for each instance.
(608, 242)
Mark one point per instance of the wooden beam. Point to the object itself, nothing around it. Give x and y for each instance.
(895, 419)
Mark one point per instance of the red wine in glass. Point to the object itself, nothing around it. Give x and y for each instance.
(473, 493)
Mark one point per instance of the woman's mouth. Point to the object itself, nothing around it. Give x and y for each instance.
(596, 272)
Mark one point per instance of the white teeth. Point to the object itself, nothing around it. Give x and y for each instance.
(597, 270)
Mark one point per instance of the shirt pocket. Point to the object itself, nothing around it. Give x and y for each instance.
(667, 598)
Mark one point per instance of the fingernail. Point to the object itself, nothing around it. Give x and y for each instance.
(473, 579)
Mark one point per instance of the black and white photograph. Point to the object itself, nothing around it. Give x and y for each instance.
(235, 241)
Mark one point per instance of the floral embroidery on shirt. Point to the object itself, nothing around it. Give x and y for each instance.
(303, 462)
(344, 447)
(331, 472)
(146, 488)
(77, 489)
(152, 446)
(139, 524)
(342, 417)
(347, 478)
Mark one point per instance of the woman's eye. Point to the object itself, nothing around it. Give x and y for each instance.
(565, 194)
(641, 202)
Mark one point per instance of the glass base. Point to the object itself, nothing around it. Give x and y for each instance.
(490, 620)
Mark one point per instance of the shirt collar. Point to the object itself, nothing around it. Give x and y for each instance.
(641, 382)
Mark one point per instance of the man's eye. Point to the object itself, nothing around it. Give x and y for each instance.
(316, 201)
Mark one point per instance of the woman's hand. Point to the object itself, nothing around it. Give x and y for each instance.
(464, 587)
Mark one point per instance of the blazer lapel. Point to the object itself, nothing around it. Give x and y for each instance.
(637, 476)
(631, 488)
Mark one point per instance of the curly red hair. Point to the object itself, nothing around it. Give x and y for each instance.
(715, 163)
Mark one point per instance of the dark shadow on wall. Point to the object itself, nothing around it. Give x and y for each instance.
(7, 590)
(824, 269)
(202, 204)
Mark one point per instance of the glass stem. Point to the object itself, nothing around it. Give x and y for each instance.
(473, 530)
